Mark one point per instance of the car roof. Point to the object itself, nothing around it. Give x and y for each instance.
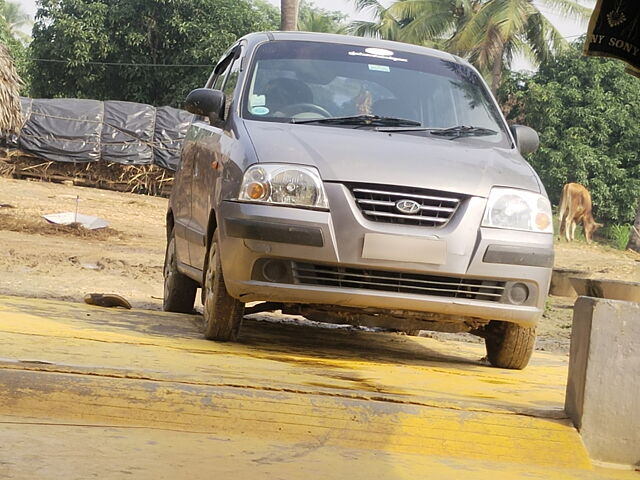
(352, 40)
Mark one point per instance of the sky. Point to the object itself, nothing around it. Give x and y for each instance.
(568, 27)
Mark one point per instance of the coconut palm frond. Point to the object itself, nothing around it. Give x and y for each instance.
(543, 38)
(569, 9)
(425, 21)
(495, 21)
(372, 7)
(363, 28)
(385, 26)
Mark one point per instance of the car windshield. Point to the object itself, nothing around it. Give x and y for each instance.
(299, 81)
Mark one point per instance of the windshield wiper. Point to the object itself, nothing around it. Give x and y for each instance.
(463, 131)
(361, 120)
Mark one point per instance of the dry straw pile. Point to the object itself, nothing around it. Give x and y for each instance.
(143, 179)
(10, 83)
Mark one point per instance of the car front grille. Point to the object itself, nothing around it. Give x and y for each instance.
(399, 282)
(379, 203)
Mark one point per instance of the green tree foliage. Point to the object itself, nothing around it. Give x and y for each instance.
(313, 19)
(270, 14)
(490, 33)
(15, 20)
(587, 113)
(83, 37)
(11, 18)
(310, 17)
(4, 28)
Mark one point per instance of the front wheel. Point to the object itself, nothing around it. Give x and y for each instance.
(509, 345)
(222, 313)
(179, 290)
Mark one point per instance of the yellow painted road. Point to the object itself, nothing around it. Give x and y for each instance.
(88, 392)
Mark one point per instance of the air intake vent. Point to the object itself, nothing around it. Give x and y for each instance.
(400, 282)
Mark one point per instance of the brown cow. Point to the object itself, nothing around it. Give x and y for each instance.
(575, 207)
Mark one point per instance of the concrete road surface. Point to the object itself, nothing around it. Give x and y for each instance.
(88, 392)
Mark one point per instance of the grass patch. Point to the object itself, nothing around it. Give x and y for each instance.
(617, 235)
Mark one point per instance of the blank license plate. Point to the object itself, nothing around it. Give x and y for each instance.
(398, 248)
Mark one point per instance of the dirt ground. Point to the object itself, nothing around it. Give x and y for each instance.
(43, 260)
(38, 259)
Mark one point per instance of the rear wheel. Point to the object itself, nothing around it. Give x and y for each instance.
(222, 313)
(509, 345)
(179, 290)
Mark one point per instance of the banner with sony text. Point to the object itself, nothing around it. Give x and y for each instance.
(614, 31)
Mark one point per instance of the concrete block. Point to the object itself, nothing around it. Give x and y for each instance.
(603, 388)
(603, 288)
(561, 285)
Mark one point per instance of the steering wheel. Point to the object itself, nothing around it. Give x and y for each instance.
(298, 108)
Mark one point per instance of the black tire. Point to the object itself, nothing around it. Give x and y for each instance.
(179, 290)
(222, 313)
(509, 345)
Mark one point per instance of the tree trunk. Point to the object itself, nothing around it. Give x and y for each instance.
(288, 15)
(634, 239)
(496, 74)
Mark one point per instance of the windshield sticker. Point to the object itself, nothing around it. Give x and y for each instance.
(259, 110)
(381, 52)
(379, 68)
(378, 53)
(256, 100)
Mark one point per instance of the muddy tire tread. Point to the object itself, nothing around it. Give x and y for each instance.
(179, 290)
(225, 318)
(513, 346)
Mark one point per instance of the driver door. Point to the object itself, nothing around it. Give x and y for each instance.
(214, 143)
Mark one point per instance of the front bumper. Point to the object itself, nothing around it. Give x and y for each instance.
(477, 261)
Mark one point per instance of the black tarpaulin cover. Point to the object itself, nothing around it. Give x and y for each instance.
(170, 128)
(127, 133)
(81, 131)
(63, 130)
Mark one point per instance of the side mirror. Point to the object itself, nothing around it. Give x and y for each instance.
(527, 139)
(206, 103)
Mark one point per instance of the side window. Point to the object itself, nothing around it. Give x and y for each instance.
(219, 75)
(220, 78)
(232, 78)
(230, 85)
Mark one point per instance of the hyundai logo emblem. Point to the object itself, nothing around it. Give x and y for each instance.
(408, 207)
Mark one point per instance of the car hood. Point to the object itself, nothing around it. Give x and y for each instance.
(363, 155)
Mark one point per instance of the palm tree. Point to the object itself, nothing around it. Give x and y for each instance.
(288, 15)
(431, 22)
(15, 19)
(385, 26)
(490, 33)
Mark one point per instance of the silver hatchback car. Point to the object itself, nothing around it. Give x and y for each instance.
(359, 181)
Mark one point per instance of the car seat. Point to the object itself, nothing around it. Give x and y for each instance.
(282, 92)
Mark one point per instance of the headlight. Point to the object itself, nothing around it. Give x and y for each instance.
(283, 185)
(518, 210)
